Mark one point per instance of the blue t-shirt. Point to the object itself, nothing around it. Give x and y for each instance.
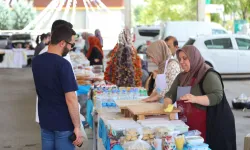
(53, 76)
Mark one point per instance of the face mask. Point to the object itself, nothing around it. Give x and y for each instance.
(65, 51)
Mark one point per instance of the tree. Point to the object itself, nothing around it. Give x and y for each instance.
(215, 18)
(162, 10)
(5, 16)
(245, 8)
(240, 7)
(23, 13)
(137, 13)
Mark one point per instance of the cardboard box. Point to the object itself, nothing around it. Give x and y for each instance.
(247, 142)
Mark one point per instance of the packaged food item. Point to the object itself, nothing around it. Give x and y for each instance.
(194, 140)
(169, 143)
(179, 142)
(123, 128)
(131, 134)
(148, 135)
(161, 132)
(84, 82)
(192, 133)
(179, 126)
(137, 145)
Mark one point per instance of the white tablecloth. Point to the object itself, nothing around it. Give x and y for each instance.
(15, 58)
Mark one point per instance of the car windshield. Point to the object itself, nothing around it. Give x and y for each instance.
(190, 42)
(20, 37)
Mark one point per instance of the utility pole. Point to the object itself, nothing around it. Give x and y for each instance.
(201, 4)
(128, 13)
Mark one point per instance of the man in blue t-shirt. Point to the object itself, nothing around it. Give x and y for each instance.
(55, 86)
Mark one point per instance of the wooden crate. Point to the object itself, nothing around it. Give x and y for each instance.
(150, 109)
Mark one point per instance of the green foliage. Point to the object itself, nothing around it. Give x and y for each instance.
(240, 7)
(163, 10)
(23, 12)
(5, 13)
(216, 18)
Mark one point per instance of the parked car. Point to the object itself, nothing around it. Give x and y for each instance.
(4, 40)
(228, 54)
(183, 30)
(144, 35)
(20, 39)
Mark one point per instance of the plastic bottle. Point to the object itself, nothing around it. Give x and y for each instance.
(136, 94)
(145, 93)
(130, 94)
(104, 99)
(118, 94)
(123, 95)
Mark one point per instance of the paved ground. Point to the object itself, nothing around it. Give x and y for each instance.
(17, 110)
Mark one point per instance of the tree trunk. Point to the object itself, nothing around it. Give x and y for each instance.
(244, 14)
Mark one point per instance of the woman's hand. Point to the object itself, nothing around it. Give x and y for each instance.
(150, 99)
(202, 100)
(189, 98)
(167, 101)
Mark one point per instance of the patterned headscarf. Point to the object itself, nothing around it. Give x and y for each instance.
(125, 72)
(160, 52)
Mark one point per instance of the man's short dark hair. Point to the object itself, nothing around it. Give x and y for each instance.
(62, 33)
(172, 37)
(59, 23)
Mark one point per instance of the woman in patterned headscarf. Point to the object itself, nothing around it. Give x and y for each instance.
(124, 67)
(159, 53)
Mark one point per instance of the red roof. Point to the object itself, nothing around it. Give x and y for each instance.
(108, 3)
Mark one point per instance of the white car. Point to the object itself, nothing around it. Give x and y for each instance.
(228, 54)
(182, 30)
(144, 35)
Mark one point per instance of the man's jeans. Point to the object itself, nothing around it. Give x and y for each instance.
(56, 140)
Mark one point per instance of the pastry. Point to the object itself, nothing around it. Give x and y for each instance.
(128, 137)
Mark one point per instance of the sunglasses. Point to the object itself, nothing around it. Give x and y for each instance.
(71, 44)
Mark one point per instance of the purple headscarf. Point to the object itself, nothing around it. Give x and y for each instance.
(99, 36)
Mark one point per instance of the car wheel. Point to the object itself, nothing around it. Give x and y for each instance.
(209, 64)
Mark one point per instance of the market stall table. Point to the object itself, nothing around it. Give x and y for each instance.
(150, 109)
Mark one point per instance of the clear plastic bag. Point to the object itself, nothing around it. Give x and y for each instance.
(161, 131)
(192, 133)
(148, 134)
(137, 145)
(131, 134)
(242, 98)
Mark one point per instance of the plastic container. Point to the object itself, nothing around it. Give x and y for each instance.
(202, 146)
(194, 140)
(97, 66)
(192, 133)
(179, 142)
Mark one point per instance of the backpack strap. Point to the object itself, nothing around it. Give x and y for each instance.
(202, 80)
